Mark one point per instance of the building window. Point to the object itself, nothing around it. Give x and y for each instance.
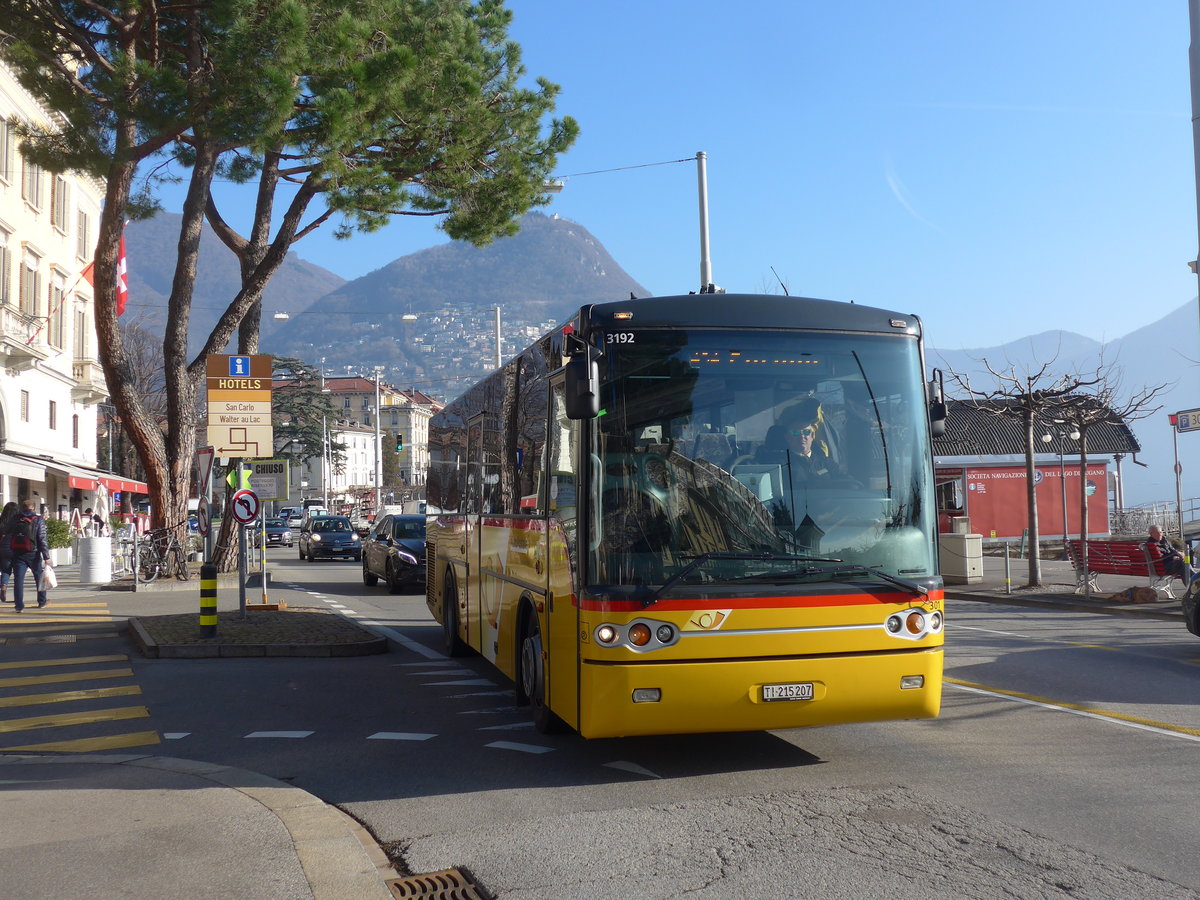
(31, 184)
(5, 268)
(54, 327)
(346, 403)
(83, 236)
(60, 200)
(75, 431)
(53, 415)
(24, 406)
(31, 283)
(81, 331)
(6, 149)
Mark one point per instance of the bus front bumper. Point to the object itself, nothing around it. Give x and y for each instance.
(718, 695)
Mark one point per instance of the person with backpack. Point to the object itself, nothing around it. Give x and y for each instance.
(9, 513)
(30, 550)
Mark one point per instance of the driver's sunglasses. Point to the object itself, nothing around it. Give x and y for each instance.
(807, 431)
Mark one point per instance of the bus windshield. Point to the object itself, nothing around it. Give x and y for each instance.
(789, 457)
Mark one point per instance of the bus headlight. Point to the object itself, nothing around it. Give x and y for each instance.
(914, 624)
(640, 635)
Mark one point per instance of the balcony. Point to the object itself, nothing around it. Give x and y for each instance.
(90, 385)
(22, 340)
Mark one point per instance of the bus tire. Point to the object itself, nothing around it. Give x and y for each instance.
(452, 644)
(532, 677)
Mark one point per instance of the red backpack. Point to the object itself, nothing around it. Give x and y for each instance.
(22, 533)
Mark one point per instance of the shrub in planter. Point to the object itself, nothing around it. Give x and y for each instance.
(58, 533)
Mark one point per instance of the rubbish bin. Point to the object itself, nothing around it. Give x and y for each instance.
(95, 560)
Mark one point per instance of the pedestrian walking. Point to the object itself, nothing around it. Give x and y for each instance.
(6, 516)
(30, 550)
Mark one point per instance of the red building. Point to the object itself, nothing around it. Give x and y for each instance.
(979, 466)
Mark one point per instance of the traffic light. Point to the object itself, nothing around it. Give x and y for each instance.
(399, 442)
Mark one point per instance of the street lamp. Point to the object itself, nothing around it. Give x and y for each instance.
(1060, 432)
(378, 445)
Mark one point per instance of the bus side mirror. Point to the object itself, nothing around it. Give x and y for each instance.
(937, 404)
(937, 418)
(582, 386)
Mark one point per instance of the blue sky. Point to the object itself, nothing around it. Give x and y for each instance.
(998, 168)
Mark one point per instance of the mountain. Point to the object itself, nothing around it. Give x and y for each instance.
(536, 277)
(1164, 352)
(151, 250)
(427, 317)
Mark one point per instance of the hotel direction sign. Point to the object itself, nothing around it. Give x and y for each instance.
(239, 405)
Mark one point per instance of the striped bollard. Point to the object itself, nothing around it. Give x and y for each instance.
(208, 600)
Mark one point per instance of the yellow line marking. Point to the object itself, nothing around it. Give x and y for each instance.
(76, 718)
(61, 677)
(1078, 707)
(1093, 646)
(70, 696)
(90, 745)
(65, 661)
(34, 628)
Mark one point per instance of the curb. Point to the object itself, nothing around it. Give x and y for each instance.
(338, 856)
(214, 649)
(1072, 605)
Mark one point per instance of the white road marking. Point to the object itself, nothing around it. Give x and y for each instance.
(631, 767)
(280, 734)
(399, 736)
(523, 748)
(511, 726)
(488, 712)
(480, 694)
(1110, 719)
(465, 682)
(175, 735)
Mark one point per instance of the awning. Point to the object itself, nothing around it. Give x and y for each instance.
(84, 484)
(20, 467)
(117, 483)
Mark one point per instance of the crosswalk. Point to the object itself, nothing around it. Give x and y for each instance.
(60, 690)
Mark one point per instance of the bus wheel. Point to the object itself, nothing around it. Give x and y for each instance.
(452, 644)
(533, 676)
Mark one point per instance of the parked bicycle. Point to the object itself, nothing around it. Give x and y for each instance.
(160, 553)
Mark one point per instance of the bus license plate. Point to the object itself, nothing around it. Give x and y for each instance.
(800, 690)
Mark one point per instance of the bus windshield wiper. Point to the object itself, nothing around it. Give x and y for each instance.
(912, 587)
(706, 557)
(831, 572)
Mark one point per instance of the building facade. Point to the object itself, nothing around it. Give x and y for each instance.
(53, 382)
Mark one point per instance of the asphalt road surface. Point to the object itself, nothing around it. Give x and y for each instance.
(1063, 765)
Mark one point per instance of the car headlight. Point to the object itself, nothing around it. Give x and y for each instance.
(407, 557)
(316, 537)
(287, 534)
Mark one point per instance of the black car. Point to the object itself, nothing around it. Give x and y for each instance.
(395, 551)
(329, 536)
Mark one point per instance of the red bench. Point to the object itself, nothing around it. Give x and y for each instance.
(1118, 558)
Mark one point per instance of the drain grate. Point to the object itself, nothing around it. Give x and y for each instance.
(45, 639)
(449, 884)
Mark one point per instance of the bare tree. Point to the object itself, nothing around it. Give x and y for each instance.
(1027, 396)
(1106, 404)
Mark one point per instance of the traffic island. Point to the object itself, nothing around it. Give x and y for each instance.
(274, 632)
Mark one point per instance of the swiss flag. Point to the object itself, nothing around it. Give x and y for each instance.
(122, 280)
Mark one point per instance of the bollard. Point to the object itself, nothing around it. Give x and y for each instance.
(208, 600)
(1007, 571)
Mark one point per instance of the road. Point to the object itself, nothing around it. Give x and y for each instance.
(1014, 787)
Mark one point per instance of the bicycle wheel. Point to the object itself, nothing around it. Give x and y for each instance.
(149, 564)
(176, 562)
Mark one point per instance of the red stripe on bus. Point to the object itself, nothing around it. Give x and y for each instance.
(808, 601)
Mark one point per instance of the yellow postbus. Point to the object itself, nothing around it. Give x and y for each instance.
(711, 512)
